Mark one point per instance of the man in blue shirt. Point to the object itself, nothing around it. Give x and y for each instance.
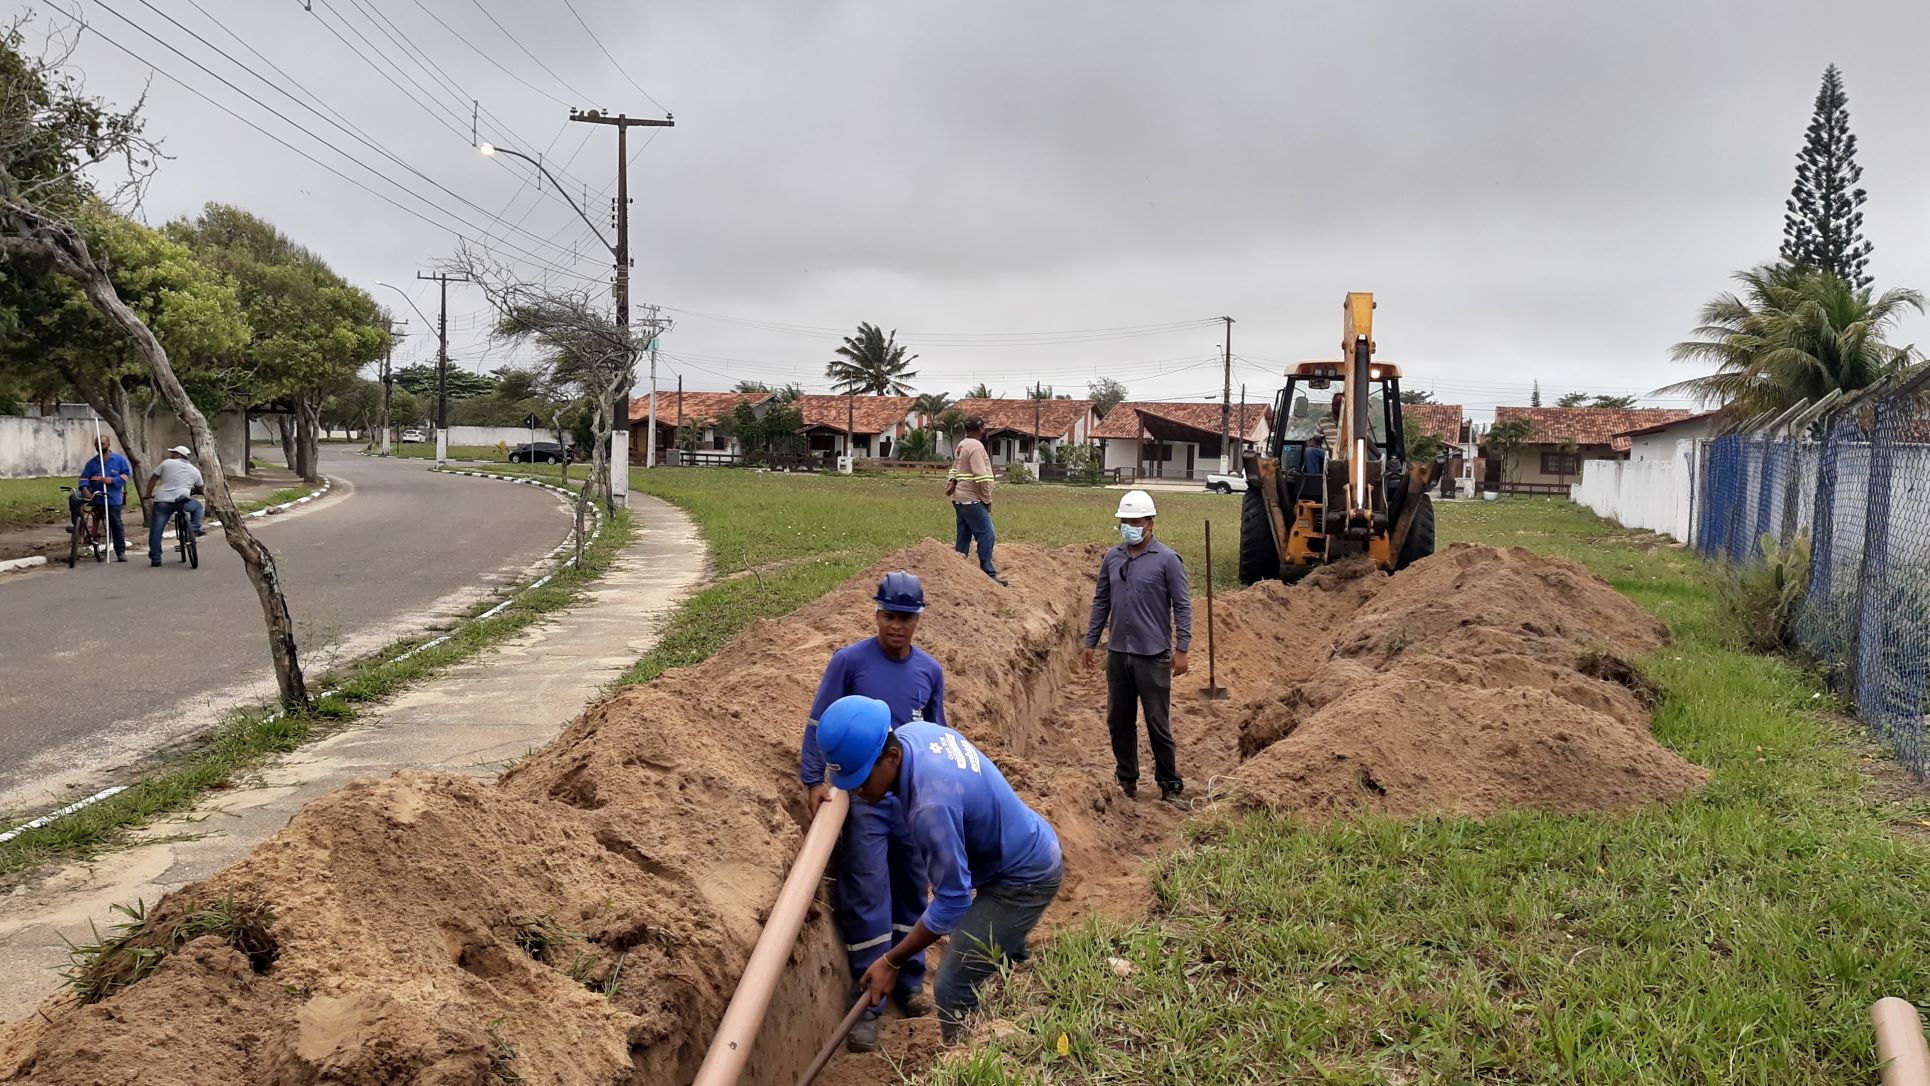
(1142, 592)
(107, 472)
(993, 863)
(879, 890)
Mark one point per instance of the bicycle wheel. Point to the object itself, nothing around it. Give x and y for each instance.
(184, 540)
(98, 539)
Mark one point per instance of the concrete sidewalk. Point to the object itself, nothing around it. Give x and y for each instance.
(474, 718)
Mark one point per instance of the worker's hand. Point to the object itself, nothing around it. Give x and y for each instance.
(1179, 664)
(951, 487)
(879, 979)
(1085, 658)
(815, 798)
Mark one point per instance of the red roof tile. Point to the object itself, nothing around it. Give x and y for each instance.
(1055, 418)
(1443, 420)
(1123, 421)
(1586, 425)
(869, 414)
(705, 407)
(1656, 426)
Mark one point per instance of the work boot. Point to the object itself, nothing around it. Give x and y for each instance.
(1172, 796)
(914, 1003)
(863, 1036)
(1131, 789)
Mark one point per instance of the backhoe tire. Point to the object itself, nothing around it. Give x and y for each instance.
(1259, 559)
(1420, 534)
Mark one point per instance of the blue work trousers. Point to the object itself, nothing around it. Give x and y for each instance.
(157, 524)
(975, 522)
(116, 532)
(994, 930)
(881, 889)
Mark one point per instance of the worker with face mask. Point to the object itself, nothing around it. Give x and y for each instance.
(1142, 594)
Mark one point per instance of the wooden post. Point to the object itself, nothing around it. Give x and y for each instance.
(1214, 691)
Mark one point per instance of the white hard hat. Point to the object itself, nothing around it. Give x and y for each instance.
(1136, 503)
(183, 450)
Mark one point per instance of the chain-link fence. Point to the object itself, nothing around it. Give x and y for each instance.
(1857, 485)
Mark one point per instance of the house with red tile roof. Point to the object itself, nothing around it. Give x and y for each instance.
(706, 409)
(1177, 440)
(1015, 430)
(1561, 438)
(1657, 441)
(867, 425)
(1441, 420)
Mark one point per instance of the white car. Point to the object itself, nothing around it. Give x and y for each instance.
(1226, 484)
(413, 437)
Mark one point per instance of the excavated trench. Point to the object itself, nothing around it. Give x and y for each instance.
(584, 920)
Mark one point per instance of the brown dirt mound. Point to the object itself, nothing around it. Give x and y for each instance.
(584, 919)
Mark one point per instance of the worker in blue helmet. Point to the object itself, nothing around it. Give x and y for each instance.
(993, 863)
(878, 891)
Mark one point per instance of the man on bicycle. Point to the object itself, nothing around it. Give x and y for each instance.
(172, 486)
(108, 473)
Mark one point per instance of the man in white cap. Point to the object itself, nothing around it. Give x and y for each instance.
(1142, 593)
(172, 486)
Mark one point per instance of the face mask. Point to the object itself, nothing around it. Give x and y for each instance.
(1132, 534)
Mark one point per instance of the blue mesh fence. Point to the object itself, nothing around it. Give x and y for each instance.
(1858, 487)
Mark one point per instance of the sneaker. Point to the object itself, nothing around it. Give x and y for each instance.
(1000, 581)
(120, 558)
(155, 564)
(199, 532)
(914, 1003)
(1172, 796)
(863, 1036)
(1131, 789)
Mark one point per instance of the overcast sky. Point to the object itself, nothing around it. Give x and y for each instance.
(1533, 191)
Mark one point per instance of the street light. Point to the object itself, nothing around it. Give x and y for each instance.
(490, 150)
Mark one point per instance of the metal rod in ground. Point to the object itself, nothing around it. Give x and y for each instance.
(1214, 691)
(837, 1038)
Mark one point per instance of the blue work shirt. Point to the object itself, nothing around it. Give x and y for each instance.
(1138, 593)
(117, 466)
(971, 828)
(914, 688)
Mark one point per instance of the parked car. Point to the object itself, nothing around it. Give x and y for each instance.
(1226, 484)
(539, 452)
(413, 437)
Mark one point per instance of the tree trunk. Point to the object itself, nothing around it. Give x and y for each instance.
(255, 556)
(308, 419)
(285, 425)
(111, 404)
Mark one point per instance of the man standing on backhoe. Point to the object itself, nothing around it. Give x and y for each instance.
(1142, 592)
(880, 893)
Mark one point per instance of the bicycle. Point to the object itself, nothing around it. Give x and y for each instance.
(90, 530)
(184, 542)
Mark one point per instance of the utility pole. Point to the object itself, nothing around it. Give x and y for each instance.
(680, 407)
(388, 382)
(850, 419)
(443, 279)
(620, 424)
(1038, 453)
(1226, 401)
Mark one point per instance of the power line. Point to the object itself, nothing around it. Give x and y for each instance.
(518, 43)
(613, 61)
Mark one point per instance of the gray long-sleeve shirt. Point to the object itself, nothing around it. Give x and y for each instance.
(1139, 593)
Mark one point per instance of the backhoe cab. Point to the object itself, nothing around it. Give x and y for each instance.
(1332, 484)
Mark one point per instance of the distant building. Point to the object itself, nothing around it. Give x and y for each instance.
(706, 409)
(1657, 441)
(876, 424)
(1177, 440)
(1562, 438)
(1016, 429)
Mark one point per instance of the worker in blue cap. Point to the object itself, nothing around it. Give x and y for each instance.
(993, 863)
(879, 889)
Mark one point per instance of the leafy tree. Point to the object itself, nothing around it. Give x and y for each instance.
(463, 385)
(1415, 395)
(1422, 448)
(951, 423)
(1793, 334)
(1106, 394)
(1039, 392)
(1572, 399)
(751, 387)
(919, 444)
(690, 435)
(980, 392)
(931, 404)
(1505, 439)
(1823, 227)
(1613, 403)
(872, 362)
(1534, 397)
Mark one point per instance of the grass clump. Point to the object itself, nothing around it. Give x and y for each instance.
(135, 946)
(28, 503)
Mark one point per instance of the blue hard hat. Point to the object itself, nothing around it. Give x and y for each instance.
(901, 592)
(851, 733)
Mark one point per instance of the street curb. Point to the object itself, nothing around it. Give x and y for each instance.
(596, 519)
(15, 565)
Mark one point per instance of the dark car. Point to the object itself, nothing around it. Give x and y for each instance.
(539, 452)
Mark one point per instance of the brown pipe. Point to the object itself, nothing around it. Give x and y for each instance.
(1900, 1048)
(735, 1034)
(824, 1054)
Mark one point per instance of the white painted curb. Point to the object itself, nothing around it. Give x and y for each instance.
(596, 519)
(14, 565)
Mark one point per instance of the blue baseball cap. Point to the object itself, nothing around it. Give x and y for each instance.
(851, 735)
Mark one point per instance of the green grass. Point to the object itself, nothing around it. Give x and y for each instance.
(279, 497)
(28, 503)
(1738, 935)
(427, 451)
(248, 737)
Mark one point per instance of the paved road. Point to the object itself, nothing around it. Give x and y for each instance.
(102, 664)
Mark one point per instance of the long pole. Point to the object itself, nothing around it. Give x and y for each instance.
(1214, 691)
(388, 386)
(850, 420)
(442, 280)
(1226, 401)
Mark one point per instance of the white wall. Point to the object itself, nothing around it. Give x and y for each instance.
(38, 447)
(511, 436)
(1656, 494)
(1661, 444)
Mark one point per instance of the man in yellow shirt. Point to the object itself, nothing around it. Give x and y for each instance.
(969, 486)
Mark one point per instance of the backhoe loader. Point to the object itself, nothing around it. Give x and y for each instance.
(1321, 490)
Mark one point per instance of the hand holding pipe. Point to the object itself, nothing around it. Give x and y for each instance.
(837, 1036)
(745, 1014)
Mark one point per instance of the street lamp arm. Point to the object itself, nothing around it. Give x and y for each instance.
(492, 150)
(406, 298)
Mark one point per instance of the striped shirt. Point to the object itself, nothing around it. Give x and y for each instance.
(972, 471)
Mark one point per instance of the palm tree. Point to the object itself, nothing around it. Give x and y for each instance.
(1795, 334)
(979, 392)
(871, 362)
(931, 403)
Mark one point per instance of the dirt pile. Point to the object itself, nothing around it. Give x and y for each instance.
(1478, 680)
(584, 920)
